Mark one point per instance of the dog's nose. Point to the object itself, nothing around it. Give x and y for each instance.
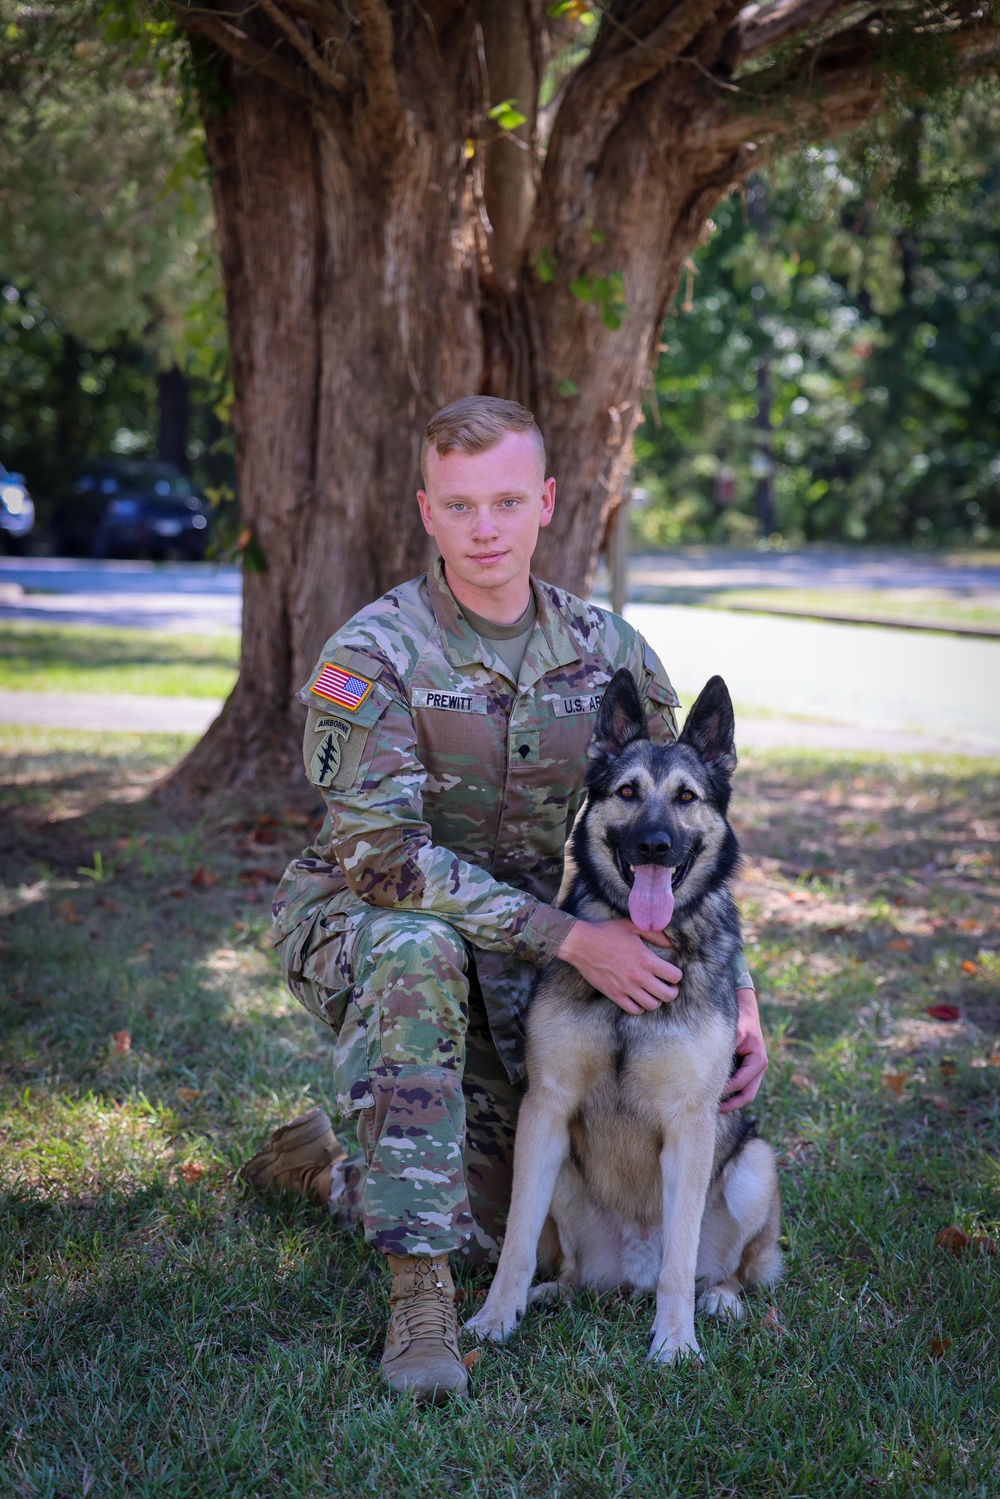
(653, 848)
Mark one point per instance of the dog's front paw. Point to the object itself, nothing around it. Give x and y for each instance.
(495, 1323)
(720, 1301)
(667, 1349)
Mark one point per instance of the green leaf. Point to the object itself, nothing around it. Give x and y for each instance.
(596, 237)
(506, 115)
(567, 388)
(546, 264)
(582, 288)
(97, 873)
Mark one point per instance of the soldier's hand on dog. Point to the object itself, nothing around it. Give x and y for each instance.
(616, 958)
(742, 1087)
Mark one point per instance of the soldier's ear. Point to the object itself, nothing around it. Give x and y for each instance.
(621, 719)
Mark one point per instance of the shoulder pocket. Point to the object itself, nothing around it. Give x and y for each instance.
(343, 683)
(335, 740)
(659, 690)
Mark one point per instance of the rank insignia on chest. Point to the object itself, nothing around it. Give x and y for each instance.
(344, 688)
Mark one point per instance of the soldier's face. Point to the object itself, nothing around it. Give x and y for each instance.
(484, 510)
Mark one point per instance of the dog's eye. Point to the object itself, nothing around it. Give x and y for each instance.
(626, 793)
(687, 796)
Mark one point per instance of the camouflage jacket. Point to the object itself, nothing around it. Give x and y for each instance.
(450, 788)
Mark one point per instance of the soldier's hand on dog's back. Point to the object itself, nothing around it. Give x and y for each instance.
(620, 962)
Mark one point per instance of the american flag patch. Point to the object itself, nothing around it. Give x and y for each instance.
(341, 687)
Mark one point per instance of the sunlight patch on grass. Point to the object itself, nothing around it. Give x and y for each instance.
(97, 660)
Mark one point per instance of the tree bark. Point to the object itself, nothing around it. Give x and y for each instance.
(172, 401)
(387, 248)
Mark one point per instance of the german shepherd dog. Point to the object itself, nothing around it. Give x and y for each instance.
(619, 1137)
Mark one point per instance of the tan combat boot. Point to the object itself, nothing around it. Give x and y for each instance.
(421, 1347)
(301, 1158)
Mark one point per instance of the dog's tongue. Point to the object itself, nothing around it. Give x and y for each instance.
(651, 899)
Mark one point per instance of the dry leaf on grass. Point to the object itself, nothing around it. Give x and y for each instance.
(472, 1358)
(122, 1041)
(188, 1095)
(968, 924)
(66, 911)
(800, 896)
(994, 1057)
(900, 944)
(948, 1066)
(939, 1347)
(968, 966)
(772, 1321)
(958, 1241)
(894, 1082)
(191, 1172)
(943, 1012)
(295, 819)
(202, 876)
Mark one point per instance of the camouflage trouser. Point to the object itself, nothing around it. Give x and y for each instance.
(415, 1059)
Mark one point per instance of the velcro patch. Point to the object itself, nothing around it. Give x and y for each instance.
(568, 707)
(346, 689)
(453, 702)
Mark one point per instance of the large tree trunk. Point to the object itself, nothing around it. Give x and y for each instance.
(386, 248)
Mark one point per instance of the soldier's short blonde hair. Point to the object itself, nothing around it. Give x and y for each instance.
(474, 424)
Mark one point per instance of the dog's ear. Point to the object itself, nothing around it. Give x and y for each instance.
(710, 728)
(621, 719)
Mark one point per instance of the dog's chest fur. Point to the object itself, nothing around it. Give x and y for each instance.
(639, 1069)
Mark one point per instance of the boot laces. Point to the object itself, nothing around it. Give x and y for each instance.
(426, 1315)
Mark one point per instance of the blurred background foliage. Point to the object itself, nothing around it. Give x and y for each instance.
(112, 333)
(830, 367)
(858, 286)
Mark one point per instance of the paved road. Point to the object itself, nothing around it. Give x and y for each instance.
(819, 683)
(192, 597)
(703, 568)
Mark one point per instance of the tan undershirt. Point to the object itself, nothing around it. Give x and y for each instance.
(509, 641)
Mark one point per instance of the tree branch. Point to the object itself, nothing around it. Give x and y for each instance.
(761, 28)
(646, 55)
(385, 106)
(839, 81)
(235, 43)
(287, 25)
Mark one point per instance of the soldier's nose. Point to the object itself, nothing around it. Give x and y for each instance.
(653, 848)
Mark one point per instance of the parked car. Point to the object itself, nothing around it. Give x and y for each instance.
(17, 509)
(130, 507)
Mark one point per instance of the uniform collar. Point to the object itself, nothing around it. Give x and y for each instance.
(552, 643)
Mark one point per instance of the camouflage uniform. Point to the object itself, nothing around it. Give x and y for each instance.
(415, 923)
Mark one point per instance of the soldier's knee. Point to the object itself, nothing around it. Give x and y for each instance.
(419, 981)
(412, 942)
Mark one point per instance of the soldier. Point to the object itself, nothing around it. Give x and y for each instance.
(447, 728)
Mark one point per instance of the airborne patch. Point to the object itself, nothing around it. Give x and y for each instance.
(327, 754)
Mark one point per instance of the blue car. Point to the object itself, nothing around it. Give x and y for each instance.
(132, 507)
(17, 509)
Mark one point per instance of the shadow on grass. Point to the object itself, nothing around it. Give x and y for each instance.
(165, 1333)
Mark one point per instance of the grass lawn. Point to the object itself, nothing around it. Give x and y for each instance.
(77, 659)
(935, 608)
(927, 606)
(163, 1332)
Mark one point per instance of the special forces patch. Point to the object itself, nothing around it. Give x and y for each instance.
(326, 756)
